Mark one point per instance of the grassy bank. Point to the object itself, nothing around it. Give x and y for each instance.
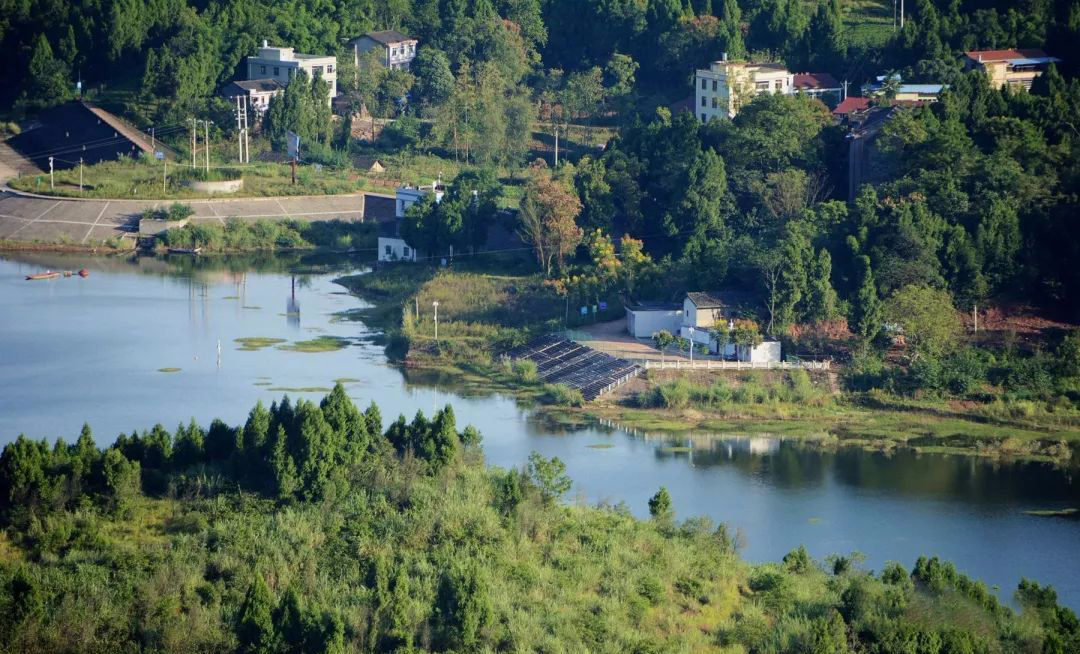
(312, 528)
(142, 179)
(241, 236)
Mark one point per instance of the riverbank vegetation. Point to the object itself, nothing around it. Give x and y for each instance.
(238, 235)
(315, 528)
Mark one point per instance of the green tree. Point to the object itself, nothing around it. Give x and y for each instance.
(660, 507)
(865, 316)
(547, 220)
(550, 477)
(927, 317)
(48, 79)
(122, 480)
(663, 339)
(434, 80)
(255, 632)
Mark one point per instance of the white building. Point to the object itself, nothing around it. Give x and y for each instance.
(643, 319)
(726, 86)
(281, 64)
(395, 49)
(703, 312)
(904, 92)
(257, 91)
(407, 196)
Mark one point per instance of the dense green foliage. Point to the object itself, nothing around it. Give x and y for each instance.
(238, 235)
(308, 529)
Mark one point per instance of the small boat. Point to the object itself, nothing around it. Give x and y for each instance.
(67, 273)
(44, 275)
(185, 250)
(84, 272)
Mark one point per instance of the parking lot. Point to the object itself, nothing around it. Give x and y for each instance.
(88, 222)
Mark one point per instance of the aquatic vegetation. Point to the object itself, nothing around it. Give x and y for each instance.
(600, 446)
(252, 343)
(299, 389)
(168, 369)
(320, 344)
(346, 380)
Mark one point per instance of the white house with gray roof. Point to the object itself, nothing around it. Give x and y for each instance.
(395, 49)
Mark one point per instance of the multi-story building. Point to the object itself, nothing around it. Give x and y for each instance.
(395, 49)
(281, 64)
(1013, 68)
(726, 86)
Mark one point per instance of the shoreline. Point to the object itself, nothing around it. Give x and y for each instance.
(848, 421)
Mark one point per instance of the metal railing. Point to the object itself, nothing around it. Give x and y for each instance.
(712, 364)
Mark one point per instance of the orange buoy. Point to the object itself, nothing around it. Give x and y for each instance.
(84, 272)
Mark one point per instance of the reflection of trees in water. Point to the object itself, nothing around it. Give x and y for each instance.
(796, 464)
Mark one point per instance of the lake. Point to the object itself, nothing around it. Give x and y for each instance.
(136, 343)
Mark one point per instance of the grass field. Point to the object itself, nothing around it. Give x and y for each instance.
(870, 22)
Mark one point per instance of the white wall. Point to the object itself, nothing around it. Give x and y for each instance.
(765, 352)
(645, 322)
(395, 249)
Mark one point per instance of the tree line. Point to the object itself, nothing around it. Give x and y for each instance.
(311, 528)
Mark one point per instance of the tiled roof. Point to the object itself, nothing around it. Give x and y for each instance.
(264, 85)
(852, 104)
(815, 81)
(387, 37)
(720, 299)
(1004, 55)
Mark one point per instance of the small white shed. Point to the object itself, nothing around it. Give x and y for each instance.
(643, 319)
(766, 352)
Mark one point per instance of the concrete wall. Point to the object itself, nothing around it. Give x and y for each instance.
(643, 323)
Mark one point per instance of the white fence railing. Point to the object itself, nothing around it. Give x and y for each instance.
(712, 364)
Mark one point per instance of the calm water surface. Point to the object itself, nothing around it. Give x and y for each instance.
(75, 350)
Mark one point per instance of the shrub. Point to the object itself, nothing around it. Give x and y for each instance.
(524, 370)
(562, 395)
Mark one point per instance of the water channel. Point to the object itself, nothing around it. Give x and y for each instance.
(136, 343)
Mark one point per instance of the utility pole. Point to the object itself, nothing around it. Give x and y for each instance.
(164, 176)
(556, 146)
(51, 185)
(436, 305)
(239, 131)
(293, 164)
(80, 174)
(975, 315)
(152, 143)
(247, 143)
(206, 126)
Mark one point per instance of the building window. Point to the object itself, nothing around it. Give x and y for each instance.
(263, 69)
(389, 250)
(316, 70)
(329, 68)
(277, 71)
(406, 250)
(714, 86)
(702, 101)
(703, 83)
(715, 102)
(703, 118)
(761, 86)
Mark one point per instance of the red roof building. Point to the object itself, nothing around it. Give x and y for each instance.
(850, 105)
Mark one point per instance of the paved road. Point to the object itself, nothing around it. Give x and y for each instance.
(89, 222)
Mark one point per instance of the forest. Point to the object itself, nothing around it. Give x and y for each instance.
(315, 528)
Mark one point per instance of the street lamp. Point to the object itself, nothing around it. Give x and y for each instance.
(691, 347)
(436, 305)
